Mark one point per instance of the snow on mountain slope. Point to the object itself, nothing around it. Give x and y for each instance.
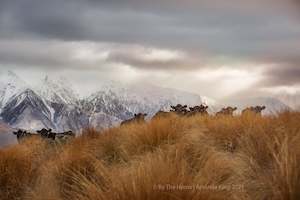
(51, 104)
(140, 98)
(10, 85)
(27, 110)
(107, 102)
(69, 117)
(57, 91)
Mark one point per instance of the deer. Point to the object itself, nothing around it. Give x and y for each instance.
(197, 110)
(138, 118)
(179, 109)
(226, 111)
(23, 134)
(256, 110)
(43, 133)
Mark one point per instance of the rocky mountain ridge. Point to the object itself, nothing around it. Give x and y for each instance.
(54, 104)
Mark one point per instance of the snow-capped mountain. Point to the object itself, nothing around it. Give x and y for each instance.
(114, 102)
(146, 98)
(10, 85)
(69, 117)
(54, 104)
(57, 91)
(51, 104)
(27, 110)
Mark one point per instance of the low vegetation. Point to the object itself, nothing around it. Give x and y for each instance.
(199, 157)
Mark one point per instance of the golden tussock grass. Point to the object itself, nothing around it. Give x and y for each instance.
(209, 158)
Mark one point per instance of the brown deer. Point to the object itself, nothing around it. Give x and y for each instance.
(255, 110)
(43, 133)
(179, 109)
(138, 118)
(23, 134)
(46, 133)
(197, 110)
(226, 111)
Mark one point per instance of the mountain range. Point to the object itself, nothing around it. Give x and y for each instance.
(53, 103)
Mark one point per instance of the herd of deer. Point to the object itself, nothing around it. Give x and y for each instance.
(182, 110)
(45, 134)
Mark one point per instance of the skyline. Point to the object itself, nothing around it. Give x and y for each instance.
(219, 50)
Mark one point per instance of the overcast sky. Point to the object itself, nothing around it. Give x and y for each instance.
(215, 48)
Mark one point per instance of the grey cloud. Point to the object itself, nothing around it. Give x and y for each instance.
(281, 75)
(50, 55)
(32, 54)
(130, 21)
(219, 33)
(57, 54)
(256, 31)
(135, 59)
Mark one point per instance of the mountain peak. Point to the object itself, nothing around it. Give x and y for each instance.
(10, 85)
(57, 90)
(29, 91)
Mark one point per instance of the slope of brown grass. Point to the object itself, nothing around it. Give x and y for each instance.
(248, 157)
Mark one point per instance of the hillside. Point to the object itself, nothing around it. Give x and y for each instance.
(242, 158)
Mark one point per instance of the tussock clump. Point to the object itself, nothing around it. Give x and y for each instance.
(139, 139)
(201, 157)
(19, 168)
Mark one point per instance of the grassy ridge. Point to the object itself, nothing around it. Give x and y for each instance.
(248, 157)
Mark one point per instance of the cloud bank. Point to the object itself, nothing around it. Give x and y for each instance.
(200, 46)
